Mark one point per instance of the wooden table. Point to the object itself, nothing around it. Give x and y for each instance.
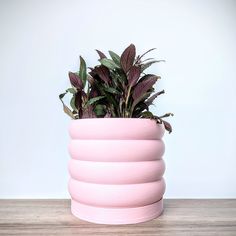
(181, 217)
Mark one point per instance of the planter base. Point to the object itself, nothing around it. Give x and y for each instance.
(116, 215)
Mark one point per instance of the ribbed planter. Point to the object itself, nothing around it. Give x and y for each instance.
(116, 170)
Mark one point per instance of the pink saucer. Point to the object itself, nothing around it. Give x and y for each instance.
(101, 215)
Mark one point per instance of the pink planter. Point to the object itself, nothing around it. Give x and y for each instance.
(116, 170)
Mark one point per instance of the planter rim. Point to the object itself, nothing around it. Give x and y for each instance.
(108, 118)
(113, 118)
(118, 119)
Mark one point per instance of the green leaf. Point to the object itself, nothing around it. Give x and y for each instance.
(147, 114)
(100, 110)
(71, 90)
(115, 57)
(83, 71)
(166, 115)
(62, 95)
(93, 100)
(109, 63)
(72, 103)
(111, 90)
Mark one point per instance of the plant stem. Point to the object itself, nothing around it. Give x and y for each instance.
(126, 102)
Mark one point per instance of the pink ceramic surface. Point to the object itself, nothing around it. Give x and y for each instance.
(121, 172)
(116, 170)
(116, 128)
(116, 150)
(116, 195)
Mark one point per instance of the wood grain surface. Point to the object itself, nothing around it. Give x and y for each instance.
(181, 217)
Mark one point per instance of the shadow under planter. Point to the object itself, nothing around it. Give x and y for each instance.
(116, 170)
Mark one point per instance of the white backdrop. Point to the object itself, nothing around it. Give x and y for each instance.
(42, 40)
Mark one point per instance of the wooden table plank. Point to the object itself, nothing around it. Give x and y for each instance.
(181, 217)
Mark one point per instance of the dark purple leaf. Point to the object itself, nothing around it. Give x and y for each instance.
(75, 81)
(133, 75)
(103, 73)
(148, 76)
(143, 86)
(127, 58)
(84, 95)
(93, 71)
(101, 54)
(167, 126)
(90, 80)
(93, 92)
(78, 103)
(88, 113)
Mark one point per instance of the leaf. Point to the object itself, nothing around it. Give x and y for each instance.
(148, 59)
(127, 58)
(93, 100)
(100, 110)
(111, 90)
(139, 108)
(143, 87)
(62, 95)
(133, 75)
(167, 126)
(84, 95)
(65, 108)
(71, 90)
(88, 112)
(93, 92)
(115, 57)
(75, 81)
(153, 97)
(103, 73)
(109, 63)
(166, 115)
(68, 111)
(147, 114)
(148, 64)
(120, 76)
(140, 99)
(139, 58)
(78, 103)
(83, 71)
(72, 103)
(148, 76)
(111, 101)
(101, 54)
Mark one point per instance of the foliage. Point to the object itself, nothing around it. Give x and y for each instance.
(117, 87)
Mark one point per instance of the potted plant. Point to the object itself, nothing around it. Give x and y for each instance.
(116, 145)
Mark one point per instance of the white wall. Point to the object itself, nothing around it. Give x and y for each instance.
(40, 42)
